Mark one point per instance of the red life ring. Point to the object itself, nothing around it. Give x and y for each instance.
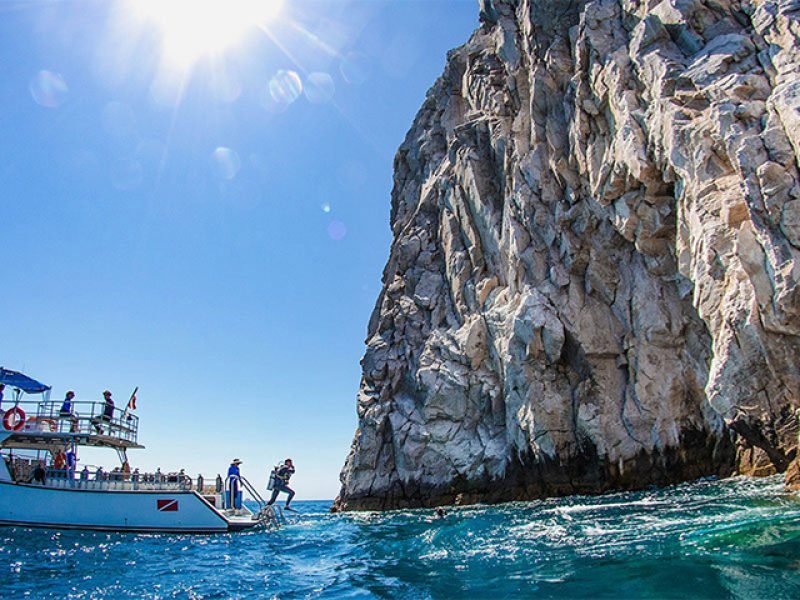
(18, 416)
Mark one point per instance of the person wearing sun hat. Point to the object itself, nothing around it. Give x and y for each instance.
(68, 411)
(234, 495)
(108, 413)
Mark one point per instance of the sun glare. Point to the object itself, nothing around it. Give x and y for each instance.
(191, 29)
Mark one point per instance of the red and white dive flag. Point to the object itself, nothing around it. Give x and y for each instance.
(132, 401)
(167, 505)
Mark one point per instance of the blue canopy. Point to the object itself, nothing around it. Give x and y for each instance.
(23, 382)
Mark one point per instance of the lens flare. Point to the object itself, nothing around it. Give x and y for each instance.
(193, 28)
(226, 162)
(354, 68)
(268, 102)
(337, 230)
(319, 88)
(49, 89)
(285, 87)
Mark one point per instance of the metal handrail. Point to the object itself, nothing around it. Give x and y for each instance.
(228, 491)
(252, 490)
(86, 418)
(117, 480)
(246, 485)
(112, 485)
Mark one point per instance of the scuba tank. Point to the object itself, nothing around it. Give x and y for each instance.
(273, 477)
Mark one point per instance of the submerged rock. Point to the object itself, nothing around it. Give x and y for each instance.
(593, 283)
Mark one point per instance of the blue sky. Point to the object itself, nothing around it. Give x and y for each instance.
(211, 231)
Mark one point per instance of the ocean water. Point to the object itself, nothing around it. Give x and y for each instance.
(736, 538)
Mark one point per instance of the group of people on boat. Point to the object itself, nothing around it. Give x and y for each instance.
(63, 465)
(67, 411)
(66, 462)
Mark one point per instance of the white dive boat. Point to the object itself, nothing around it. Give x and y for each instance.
(33, 493)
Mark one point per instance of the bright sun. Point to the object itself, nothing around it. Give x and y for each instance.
(193, 28)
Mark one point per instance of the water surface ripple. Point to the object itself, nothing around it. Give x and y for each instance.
(736, 538)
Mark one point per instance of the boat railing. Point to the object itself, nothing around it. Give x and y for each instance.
(84, 418)
(253, 492)
(231, 489)
(100, 480)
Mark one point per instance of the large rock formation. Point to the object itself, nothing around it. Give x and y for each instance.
(594, 280)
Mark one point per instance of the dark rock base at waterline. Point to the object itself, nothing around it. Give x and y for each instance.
(699, 455)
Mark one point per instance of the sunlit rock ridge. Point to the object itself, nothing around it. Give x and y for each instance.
(594, 277)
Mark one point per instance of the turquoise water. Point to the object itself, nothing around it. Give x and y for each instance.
(728, 539)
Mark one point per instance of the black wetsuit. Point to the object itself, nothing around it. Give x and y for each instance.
(283, 475)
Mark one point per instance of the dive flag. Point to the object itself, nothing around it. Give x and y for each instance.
(170, 505)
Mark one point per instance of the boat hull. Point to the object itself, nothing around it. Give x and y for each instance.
(29, 505)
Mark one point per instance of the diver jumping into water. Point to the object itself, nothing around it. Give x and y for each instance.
(279, 479)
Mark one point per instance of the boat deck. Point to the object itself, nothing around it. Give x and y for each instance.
(88, 424)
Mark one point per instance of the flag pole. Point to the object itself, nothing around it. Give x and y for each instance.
(131, 403)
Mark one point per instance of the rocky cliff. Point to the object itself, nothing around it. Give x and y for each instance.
(594, 279)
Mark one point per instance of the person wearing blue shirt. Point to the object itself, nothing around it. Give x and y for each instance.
(234, 475)
(66, 411)
(72, 463)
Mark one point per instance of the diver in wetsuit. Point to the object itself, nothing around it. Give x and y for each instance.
(280, 482)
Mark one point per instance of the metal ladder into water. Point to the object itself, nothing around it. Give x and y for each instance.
(269, 516)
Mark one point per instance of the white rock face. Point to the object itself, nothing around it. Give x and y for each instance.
(593, 283)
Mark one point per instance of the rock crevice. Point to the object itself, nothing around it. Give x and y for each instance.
(593, 282)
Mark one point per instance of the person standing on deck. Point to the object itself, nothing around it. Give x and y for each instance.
(39, 474)
(59, 461)
(72, 463)
(234, 475)
(2, 387)
(280, 482)
(67, 411)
